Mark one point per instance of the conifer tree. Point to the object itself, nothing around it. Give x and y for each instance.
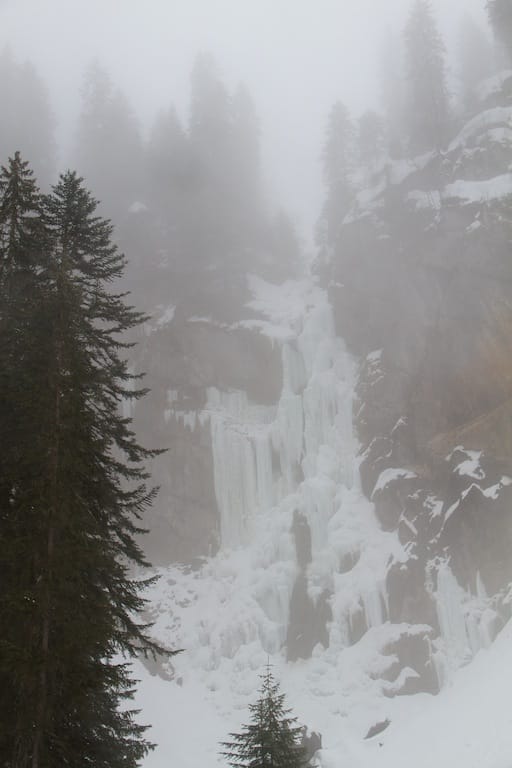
(211, 157)
(209, 123)
(168, 163)
(69, 604)
(272, 738)
(284, 247)
(500, 16)
(246, 187)
(338, 164)
(108, 150)
(25, 104)
(475, 62)
(22, 240)
(370, 140)
(427, 107)
(392, 86)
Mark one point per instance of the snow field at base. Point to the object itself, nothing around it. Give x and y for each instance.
(468, 725)
(231, 613)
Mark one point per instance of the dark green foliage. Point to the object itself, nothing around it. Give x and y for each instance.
(427, 110)
(72, 485)
(272, 738)
(500, 16)
(20, 219)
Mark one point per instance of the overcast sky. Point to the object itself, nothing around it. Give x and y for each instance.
(296, 56)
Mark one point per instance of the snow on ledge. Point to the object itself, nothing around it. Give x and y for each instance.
(137, 207)
(480, 191)
(493, 84)
(167, 316)
(389, 476)
(282, 306)
(471, 466)
(485, 120)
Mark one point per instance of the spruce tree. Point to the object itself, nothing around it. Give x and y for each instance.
(211, 148)
(109, 150)
(500, 16)
(70, 602)
(427, 107)
(272, 738)
(25, 104)
(167, 162)
(338, 164)
(22, 252)
(475, 62)
(245, 167)
(392, 87)
(370, 140)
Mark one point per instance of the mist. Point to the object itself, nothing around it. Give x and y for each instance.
(291, 459)
(296, 58)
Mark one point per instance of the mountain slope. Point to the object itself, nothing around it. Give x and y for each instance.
(340, 478)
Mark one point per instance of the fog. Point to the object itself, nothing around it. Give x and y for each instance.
(297, 57)
(309, 203)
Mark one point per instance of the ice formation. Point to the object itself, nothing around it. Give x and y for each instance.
(231, 613)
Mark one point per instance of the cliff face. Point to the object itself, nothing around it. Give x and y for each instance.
(338, 481)
(421, 286)
(200, 342)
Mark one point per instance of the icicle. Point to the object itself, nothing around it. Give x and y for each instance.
(298, 455)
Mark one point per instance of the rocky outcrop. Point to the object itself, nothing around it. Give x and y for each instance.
(184, 355)
(420, 282)
(252, 395)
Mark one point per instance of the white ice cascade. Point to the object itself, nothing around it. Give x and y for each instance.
(270, 461)
(467, 622)
(305, 444)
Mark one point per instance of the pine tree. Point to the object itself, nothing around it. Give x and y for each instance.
(370, 140)
(22, 241)
(168, 163)
(338, 164)
(283, 248)
(272, 738)
(25, 104)
(246, 188)
(427, 107)
(392, 86)
(209, 123)
(109, 146)
(211, 157)
(500, 16)
(69, 603)
(475, 62)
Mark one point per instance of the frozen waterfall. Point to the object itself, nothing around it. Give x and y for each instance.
(296, 463)
(298, 456)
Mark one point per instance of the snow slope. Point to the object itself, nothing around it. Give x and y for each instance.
(468, 725)
(231, 613)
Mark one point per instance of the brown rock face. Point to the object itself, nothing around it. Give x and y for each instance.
(421, 285)
(183, 358)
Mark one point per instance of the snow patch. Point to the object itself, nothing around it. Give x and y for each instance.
(391, 475)
(468, 192)
(490, 118)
